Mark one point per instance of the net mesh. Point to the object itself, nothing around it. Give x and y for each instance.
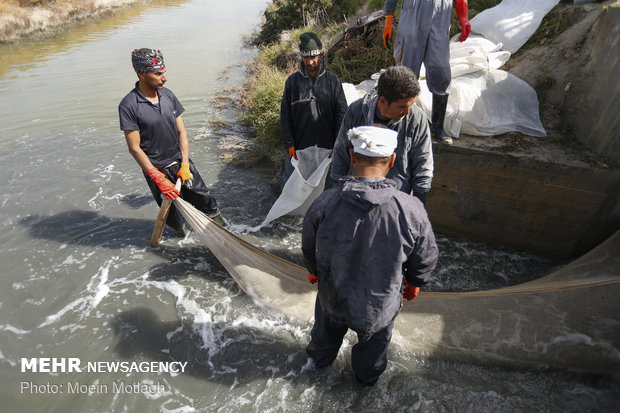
(567, 319)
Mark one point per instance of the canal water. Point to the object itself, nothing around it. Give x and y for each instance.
(95, 320)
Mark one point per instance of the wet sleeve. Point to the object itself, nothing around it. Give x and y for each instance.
(127, 118)
(308, 238)
(341, 106)
(423, 258)
(178, 107)
(286, 128)
(421, 158)
(341, 162)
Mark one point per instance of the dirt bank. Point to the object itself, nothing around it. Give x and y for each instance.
(550, 67)
(46, 18)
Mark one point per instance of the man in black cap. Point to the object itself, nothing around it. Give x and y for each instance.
(313, 103)
(150, 117)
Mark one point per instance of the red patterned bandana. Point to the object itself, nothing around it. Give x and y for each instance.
(147, 60)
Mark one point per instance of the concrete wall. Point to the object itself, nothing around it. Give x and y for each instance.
(522, 203)
(592, 107)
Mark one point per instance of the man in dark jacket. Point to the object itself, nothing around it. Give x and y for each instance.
(393, 106)
(313, 103)
(359, 240)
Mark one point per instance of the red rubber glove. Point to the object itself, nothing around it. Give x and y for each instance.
(291, 152)
(184, 172)
(165, 186)
(313, 279)
(387, 31)
(461, 12)
(410, 291)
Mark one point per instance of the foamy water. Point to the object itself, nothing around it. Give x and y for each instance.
(80, 280)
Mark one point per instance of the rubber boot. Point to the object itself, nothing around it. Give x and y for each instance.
(217, 218)
(440, 103)
(181, 232)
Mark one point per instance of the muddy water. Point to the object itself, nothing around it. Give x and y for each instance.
(79, 281)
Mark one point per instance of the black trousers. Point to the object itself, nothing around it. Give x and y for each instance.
(368, 356)
(198, 195)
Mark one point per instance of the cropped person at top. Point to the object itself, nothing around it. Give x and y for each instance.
(313, 103)
(150, 117)
(423, 36)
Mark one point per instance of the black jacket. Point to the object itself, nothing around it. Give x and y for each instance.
(361, 239)
(311, 113)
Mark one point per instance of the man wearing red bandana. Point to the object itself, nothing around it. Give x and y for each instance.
(150, 117)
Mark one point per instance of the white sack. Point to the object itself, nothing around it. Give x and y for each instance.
(488, 103)
(483, 101)
(474, 54)
(305, 184)
(512, 22)
(355, 92)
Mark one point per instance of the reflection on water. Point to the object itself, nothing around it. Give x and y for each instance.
(24, 55)
(80, 280)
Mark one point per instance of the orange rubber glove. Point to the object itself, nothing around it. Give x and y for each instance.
(165, 186)
(313, 279)
(184, 173)
(291, 152)
(387, 31)
(461, 12)
(410, 291)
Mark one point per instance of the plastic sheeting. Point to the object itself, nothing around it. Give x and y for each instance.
(488, 103)
(512, 22)
(304, 185)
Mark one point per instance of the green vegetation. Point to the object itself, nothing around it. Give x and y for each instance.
(283, 15)
(262, 103)
(354, 59)
(553, 24)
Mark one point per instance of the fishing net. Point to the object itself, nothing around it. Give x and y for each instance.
(567, 319)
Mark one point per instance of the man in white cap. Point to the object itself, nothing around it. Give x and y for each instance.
(365, 242)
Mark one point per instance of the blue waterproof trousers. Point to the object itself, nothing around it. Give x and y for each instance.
(368, 356)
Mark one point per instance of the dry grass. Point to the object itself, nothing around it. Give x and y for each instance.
(360, 54)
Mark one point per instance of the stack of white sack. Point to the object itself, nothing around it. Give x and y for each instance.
(484, 100)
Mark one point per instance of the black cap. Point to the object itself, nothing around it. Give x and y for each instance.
(310, 45)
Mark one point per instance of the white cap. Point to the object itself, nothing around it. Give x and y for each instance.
(373, 141)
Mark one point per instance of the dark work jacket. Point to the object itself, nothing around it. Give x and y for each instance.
(413, 170)
(360, 238)
(311, 113)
